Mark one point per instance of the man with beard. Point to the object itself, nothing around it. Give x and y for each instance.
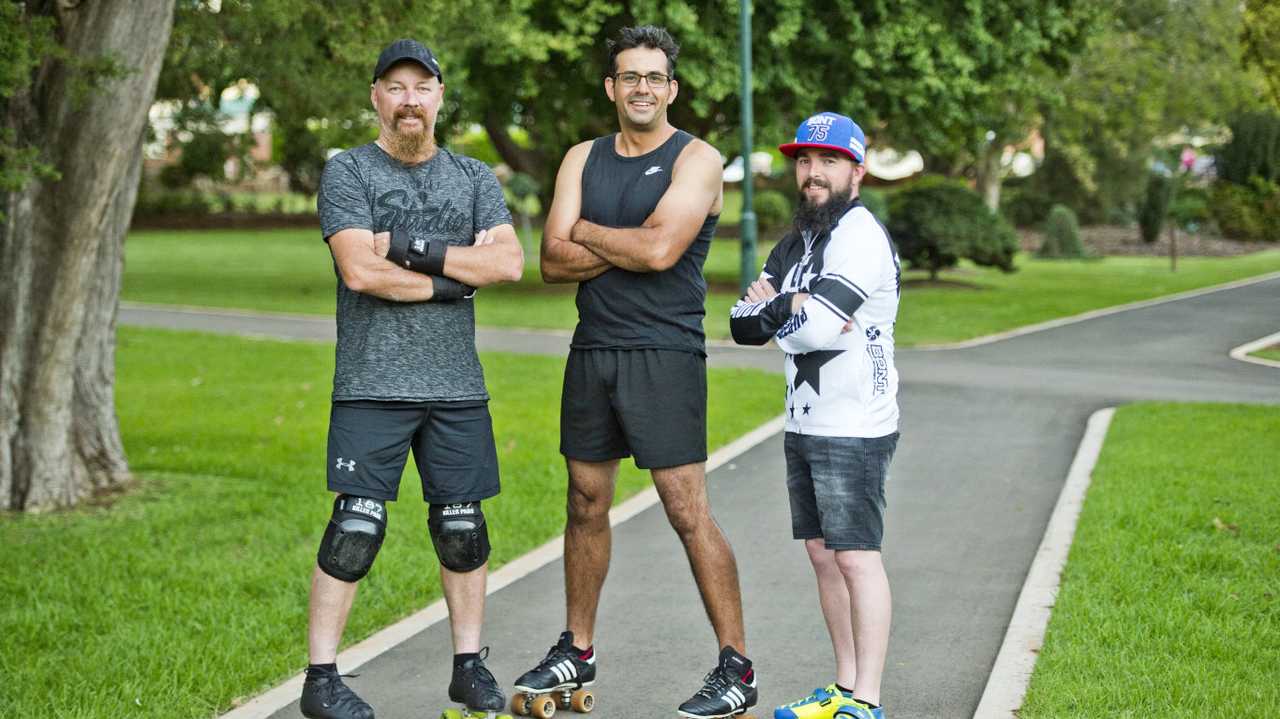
(631, 222)
(413, 229)
(828, 296)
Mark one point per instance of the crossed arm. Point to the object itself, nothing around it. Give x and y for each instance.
(361, 258)
(574, 250)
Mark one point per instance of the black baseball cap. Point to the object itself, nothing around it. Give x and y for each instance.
(407, 50)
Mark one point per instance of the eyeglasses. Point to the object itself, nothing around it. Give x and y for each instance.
(631, 79)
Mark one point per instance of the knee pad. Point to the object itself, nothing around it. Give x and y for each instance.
(459, 535)
(353, 537)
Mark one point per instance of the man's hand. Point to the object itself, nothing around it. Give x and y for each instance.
(761, 291)
(484, 237)
(381, 243)
(798, 300)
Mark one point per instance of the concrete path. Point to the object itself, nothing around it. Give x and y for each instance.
(987, 438)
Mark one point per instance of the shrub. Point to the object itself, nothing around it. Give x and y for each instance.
(876, 202)
(1249, 212)
(773, 209)
(1190, 208)
(1061, 234)
(1025, 206)
(936, 221)
(1156, 206)
(1254, 149)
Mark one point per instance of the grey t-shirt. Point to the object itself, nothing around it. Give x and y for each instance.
(407, 351)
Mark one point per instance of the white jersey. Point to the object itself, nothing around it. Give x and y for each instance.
(839, 384)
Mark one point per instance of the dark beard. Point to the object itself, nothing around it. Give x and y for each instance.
(816, 218)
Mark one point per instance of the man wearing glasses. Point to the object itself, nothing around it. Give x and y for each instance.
(631, 222)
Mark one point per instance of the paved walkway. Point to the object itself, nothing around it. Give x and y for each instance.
(988, 435)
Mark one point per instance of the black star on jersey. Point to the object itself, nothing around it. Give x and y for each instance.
(806, 408)
(809, 368)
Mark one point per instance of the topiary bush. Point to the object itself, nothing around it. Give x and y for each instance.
(1024, 206)
(773, 209)
(1061, 234)
(937, 221)
(1155, 206)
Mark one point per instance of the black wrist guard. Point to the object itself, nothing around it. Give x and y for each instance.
(421, 256)
(445, 289)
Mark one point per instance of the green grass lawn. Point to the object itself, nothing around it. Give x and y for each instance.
(1271, 353)
(291, 271)
(1170, 601)
(190, 591)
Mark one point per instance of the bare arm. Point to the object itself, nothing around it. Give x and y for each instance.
(499, 259)
(562, 259)
(364, 270)
(658, 243)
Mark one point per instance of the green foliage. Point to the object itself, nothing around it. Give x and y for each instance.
(1254, 149)
(1247, 212)
(936, 221)
(1062, 234)
(1157, 69)
(1261, 40)
(1190, 208)
(1025, 205)
(1155, 207)
(772, 208)
(876, 202)
(24, 42)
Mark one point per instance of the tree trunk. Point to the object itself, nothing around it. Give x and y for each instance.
(989, 175)
(61, 252)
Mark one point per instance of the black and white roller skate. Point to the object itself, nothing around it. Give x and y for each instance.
(730, 689)
(325, 696)
(474, 687)
(559, 681)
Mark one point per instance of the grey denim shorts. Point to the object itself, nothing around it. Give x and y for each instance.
(836, 487)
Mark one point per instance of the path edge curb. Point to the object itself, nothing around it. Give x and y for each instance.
(282, 695)
(1092, 314)
(1007, 685)
(1243, 351)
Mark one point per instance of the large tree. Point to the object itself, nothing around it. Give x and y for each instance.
(76, 83)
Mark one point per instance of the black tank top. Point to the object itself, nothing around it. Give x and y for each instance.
(621, 309)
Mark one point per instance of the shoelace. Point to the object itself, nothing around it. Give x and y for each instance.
(338, 693)
(818, 695)
(554, 656)
(716, 681)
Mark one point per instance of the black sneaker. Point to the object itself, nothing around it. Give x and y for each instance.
(563, 668)
(325, 696)
(730, 689)
(474, 686)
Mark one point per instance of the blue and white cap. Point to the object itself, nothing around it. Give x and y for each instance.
(829, 131)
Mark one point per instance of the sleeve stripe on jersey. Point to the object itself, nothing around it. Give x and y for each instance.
(747, 309)
(834, 309)
(838, 294)
(852, 285)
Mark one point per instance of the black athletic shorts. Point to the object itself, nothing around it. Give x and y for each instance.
(646, 403)
(452, 445)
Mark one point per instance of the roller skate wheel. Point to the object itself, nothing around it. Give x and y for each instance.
(520, 705)
(583, 701)
(543, 707)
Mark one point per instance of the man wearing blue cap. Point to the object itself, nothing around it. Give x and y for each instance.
(828, 296)
(413, 229)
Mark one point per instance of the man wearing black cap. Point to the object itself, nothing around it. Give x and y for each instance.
(828, 296)
(631, 222)
(414, 229)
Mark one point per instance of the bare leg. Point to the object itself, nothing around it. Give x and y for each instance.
(464, 594)
(872, 611)
(833, 595)
(588, 541)
(683, 491)
(330, 605)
